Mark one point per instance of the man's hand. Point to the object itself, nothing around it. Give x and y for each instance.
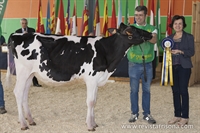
(154, 38)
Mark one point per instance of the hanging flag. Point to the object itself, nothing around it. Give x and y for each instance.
(40, 24)
(48, 21)
(60, 26)
(147, 3)
(57, 5)
(136, 4)
(74, 21)
(158, 22)
(105, 19)
(141, 2)
(168, 29)
(126, 19)
(152, 22)
(119, 17)
(183, 7)
(152, 14)
(113, 19)
(3, 8)
(53, 20)
(85, 21)
(158, 26)
(96, 24)
(67, 25)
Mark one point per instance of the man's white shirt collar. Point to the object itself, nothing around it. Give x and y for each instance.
(23, 29)
(141, 25)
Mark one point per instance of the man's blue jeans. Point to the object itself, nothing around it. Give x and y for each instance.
(136, 72)
(1, 95)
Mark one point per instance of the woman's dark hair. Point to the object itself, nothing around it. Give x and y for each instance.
(141, 8)
(176, 17)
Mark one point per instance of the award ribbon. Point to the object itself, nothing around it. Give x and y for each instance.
(167, 45)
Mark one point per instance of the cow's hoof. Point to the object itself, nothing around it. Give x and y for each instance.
(32, 124)
(95, 126)
(24, 128)
(91, 129)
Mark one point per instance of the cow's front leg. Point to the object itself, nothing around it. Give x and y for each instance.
(25, 102)
(91, 100)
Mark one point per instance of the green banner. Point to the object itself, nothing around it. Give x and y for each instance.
(3, 4)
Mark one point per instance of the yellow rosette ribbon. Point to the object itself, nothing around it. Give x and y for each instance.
(167, 75)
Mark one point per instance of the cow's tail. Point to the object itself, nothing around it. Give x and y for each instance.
(8, 78)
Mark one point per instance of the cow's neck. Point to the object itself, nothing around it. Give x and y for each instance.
(113, 49)
(115, 44)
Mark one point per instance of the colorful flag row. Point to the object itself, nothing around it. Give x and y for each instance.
(58, 23)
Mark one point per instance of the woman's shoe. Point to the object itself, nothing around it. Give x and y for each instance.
(183, 122)
(174, 120)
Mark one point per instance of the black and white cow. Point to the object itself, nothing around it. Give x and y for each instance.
(59, 59)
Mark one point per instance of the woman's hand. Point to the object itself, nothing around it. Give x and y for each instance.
(177, 51)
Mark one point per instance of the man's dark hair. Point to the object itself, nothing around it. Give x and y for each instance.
(141, 8)
(176, 17)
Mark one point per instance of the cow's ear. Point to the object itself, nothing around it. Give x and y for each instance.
(112, 30)
(128, 31)
(122, 25)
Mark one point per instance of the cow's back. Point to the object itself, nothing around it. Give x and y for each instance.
(57, 58)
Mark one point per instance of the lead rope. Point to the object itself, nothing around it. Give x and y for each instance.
(143, 60)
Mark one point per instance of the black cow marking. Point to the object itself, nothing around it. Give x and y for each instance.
(25, 52)
(94, 73)
(27, 38)
(83, 71)
(33, 55)
(64, 58)
(84, 40)
(89, 73)
(108, 53)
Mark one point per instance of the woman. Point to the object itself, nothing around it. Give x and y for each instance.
(182, 52)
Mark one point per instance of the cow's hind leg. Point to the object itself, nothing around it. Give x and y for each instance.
(18, 96)
(91, 100)
(22, 76)
(25, 102)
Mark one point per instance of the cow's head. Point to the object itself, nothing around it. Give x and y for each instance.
(134, 35)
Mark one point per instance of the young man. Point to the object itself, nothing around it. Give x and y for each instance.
(136, 68)
(26, 29)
